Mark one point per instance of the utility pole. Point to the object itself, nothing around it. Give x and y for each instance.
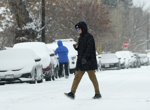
(39, 9)
(117, 22)
(99, 44)
(43, 20)
(147, 31)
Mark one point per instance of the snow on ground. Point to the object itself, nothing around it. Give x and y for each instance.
(127, 89)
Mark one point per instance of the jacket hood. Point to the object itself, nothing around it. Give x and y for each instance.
(59, 43)
(82, 25)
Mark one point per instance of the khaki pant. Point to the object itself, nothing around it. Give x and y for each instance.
(78, 76)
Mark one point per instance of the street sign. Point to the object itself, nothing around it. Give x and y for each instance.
(126, 44)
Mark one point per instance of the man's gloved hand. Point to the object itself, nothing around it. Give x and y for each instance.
(83, 61)
(74, 46)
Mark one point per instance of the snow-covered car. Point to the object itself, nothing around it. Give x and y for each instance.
(42, 51)
(123, 61)
(110, 61)
(129, 57)
(72, 55)
(21, 65)
(144, 59)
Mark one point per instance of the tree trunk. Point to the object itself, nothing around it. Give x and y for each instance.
(25, 31)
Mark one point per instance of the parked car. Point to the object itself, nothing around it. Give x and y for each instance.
(72, 55)
(21, 65)
(138, 62)
(129, 58)
(110, 61)
(123, 62)
(42, 51)
(144, 59)
(124, 57)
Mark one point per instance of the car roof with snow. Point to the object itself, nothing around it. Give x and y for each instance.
(109, 58)
(37, 47)
(16, 58)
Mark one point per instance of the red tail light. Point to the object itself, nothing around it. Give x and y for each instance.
(52, 54)
(46, 69)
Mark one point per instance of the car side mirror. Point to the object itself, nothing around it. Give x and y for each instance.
(52, 54)
(37, 60)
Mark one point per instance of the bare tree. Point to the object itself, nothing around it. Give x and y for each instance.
(64, 15)
(26, 30)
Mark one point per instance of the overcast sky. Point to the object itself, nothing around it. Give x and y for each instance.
(140, 2)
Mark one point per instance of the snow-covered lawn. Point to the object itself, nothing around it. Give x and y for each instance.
(127, 89)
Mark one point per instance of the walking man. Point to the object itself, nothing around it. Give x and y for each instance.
(86, 60)
(62, 52)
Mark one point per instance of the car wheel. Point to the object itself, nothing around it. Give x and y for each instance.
(56, 72)
(72, 71)
(123, 66)
(53, 78)
(34, 77)
(39, 81)
(118, 68)
(40, 72)
(48, 77)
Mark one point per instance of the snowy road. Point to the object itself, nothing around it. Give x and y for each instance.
(121, 90)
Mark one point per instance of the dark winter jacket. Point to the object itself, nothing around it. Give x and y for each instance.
(86, 49)
(62, 52)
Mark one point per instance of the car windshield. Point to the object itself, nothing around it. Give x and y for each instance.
(109, 56)
(15, 59)
(126, 53)
(15, 54)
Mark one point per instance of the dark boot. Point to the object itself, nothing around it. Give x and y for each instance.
(70, 95)
(97, 96)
